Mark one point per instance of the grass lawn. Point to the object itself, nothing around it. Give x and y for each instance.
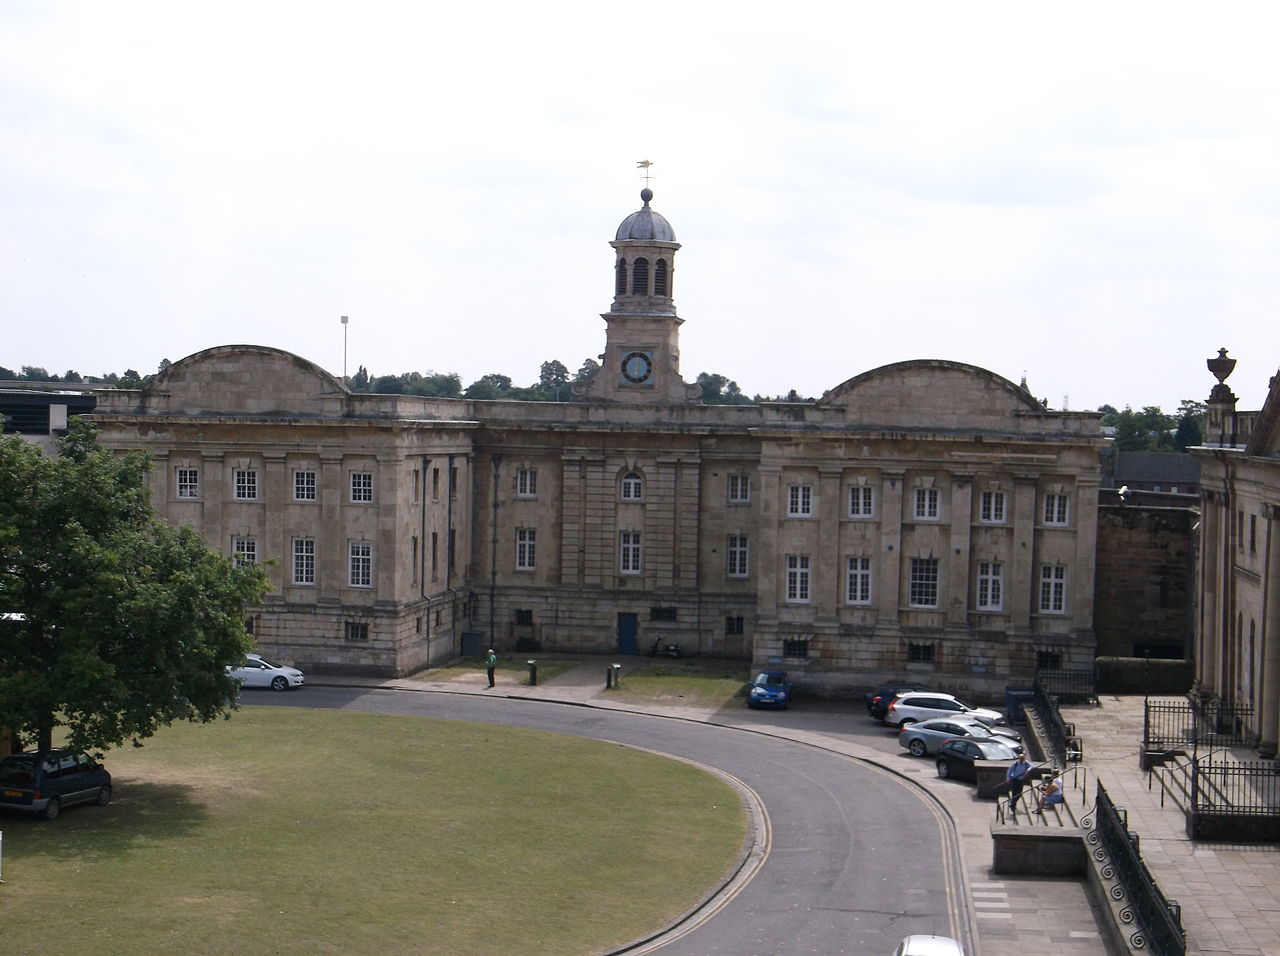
(692, 683)
(286, 830)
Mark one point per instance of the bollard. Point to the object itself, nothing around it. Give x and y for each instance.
(617, 675)
(608, 678)
(533, 673)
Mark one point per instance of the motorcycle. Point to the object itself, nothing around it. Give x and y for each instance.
(659, 649)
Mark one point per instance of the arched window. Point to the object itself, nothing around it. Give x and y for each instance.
(620, 286)
(660, 277)
(632, 487)
(640, 277)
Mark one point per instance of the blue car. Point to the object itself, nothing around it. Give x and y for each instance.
(769, 689)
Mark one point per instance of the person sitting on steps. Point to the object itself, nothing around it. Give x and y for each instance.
(1050, 793)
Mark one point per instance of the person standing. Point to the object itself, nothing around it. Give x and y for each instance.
(1017, 776)
(490, 663)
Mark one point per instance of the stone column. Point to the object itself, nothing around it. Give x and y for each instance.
(1269, 702)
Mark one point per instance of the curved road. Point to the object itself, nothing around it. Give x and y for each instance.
(858, 858)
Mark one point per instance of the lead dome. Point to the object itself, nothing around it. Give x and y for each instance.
(645, 223)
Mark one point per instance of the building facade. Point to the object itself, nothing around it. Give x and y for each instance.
(1238, 571)
(924, 518)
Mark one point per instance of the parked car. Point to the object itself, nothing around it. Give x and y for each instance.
(955, 758)
(45, 781)
(923, 705)
(878, 699)
(257, 672)
(929, 946)
(769, 689)
(923, 737)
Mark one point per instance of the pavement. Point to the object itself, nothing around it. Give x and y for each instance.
(1229, 893)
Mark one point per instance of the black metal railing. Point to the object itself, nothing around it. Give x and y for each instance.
(1158, 919)
(1169, 725)
(1078, 686)
(1241, 788)
(1061, 742)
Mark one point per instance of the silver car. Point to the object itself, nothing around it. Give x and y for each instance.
(924, 705)
(922, 738)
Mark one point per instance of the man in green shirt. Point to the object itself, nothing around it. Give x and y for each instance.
(490, 663)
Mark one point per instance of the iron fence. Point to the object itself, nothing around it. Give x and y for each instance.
(1061, 741)
(1078, 686)
(1169, 725)
(1157, 920)
(1241, 788)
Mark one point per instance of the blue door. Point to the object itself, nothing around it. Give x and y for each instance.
(627, 627)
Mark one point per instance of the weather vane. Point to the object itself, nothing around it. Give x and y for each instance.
(646, 175)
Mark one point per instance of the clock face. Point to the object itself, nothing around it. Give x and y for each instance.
(637, 367)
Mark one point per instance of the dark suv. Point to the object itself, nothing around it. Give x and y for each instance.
(45, 781)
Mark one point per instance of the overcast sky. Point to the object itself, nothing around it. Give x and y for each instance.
(1087, 194)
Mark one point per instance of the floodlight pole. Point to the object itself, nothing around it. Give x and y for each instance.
(344, 349)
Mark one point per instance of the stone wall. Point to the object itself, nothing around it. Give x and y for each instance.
(1144, 591)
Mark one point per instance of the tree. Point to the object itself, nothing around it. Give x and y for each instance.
(553, 375)
(719, 390)
(489, 386)
(128, 623)
(589, 368)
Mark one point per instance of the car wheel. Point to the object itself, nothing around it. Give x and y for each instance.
(104, 796)
(51, 808)
(906, 723)
(279, 683)
(944, 770)
(917, 748)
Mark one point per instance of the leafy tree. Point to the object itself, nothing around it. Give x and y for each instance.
(7, 374)
(360, 381)
(552, 376)
(489, 386)
(589, 368)
(387, 385)
(129, 623)
(164, 365)
(437, 384)
(719, 390)
(72, 376)
(34, 373)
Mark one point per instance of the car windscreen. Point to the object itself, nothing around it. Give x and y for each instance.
(15, 770)
(764, 678)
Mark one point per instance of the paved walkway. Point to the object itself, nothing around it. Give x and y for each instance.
(1230, 894)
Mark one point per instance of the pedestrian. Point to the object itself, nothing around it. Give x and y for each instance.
(1050, 793)
(1017, 776)
(490, 663)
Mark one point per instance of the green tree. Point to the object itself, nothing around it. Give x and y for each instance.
(127, 622)
(437, 384)
(719, 390)
(489, 386)
(589, 368)
(553, 375)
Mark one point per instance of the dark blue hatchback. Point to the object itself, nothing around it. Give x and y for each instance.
(769, 689)
(45, 781)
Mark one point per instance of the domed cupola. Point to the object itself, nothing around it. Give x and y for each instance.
(645, 265)
(645, 223)
(641, 359)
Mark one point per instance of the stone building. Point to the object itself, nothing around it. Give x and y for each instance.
(1238, 571)
(926, 518)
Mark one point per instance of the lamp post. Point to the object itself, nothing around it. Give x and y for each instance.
(344, 350)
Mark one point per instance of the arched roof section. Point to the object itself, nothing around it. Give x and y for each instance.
(247, 380)
(925, 393)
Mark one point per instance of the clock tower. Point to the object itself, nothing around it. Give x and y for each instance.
(641, 361)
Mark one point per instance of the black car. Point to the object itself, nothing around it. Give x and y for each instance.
(45, 781)
(956, 757)
(878, 700)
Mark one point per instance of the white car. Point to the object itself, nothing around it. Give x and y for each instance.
(256, 672)
(924, 705)
(928, 946)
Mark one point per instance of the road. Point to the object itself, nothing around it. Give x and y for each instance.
(857, 858)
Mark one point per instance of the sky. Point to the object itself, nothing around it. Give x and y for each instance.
(1084, 195)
